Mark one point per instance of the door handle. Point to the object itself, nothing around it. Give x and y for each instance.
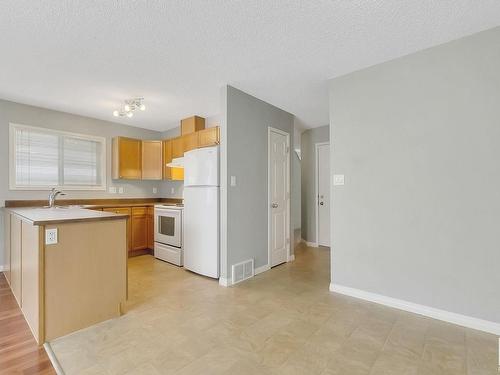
(321, 203)
(274, 205)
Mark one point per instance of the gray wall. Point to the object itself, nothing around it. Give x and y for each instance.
(309, 139)
(35, 116)
(418, 141)
(247, 120)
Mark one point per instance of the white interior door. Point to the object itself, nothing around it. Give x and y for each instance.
(278, 196)
(323, 183)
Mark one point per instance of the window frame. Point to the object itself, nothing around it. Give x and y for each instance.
(12, 159)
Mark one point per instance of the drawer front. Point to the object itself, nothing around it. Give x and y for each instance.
(118, 210)
(168, 254)
(139, 211)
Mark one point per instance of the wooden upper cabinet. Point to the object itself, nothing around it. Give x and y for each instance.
(152, 166)
(170, 173)
(127, 158)
(177, 147)
(190, 141)
(192, 124)
(208, 137)
(167, 158)
(177, 174)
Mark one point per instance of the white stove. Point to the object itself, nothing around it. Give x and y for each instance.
(168, 233)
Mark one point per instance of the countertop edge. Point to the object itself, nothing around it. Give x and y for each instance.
(27, 219)
(78, 220)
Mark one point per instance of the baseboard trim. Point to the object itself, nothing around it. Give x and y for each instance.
(311, 244)
(224, 281)
(53, 359)
(261, 269)
(431, 312)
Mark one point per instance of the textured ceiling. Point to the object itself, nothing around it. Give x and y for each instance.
(85, 57)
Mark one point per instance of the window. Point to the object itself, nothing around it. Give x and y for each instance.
(42, 158)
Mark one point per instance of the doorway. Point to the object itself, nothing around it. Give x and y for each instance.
(278, 196)
(322, 177)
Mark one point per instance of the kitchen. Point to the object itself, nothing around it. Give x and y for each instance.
(161, 227)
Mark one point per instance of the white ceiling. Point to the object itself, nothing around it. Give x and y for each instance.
(85, 57)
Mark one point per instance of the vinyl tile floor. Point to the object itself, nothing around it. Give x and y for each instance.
(284, 321)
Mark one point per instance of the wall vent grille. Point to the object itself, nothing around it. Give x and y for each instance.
(242, 271)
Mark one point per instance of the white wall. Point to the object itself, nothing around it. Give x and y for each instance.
(418, 140)
(296, 182)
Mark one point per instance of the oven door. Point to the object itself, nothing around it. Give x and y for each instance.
(168, 226)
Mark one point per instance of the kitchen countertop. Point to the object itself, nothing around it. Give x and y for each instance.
(118, 205)
(95, 203)
(58, 215)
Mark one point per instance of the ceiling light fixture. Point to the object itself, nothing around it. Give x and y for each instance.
(129, 108)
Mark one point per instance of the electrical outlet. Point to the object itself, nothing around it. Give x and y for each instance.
(172, 191)
(112, 190)
(51, 236)
(120, 190)
(233, 180)
(155, 190)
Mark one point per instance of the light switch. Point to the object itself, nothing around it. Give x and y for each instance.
(155, 190)
(172, 191)
(233, 180)
(51, 236)
(338, 179)
(112, 190)
(120, 190)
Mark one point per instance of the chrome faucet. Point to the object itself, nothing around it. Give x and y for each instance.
(52, 197)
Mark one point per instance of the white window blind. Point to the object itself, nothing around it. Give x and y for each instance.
(42, 158)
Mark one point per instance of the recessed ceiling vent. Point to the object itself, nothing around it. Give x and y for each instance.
(242, 271)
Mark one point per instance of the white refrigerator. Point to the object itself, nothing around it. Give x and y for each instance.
(201, 211)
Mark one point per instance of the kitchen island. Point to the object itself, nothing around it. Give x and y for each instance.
(66, 266)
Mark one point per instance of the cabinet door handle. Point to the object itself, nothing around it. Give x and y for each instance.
(274, 205)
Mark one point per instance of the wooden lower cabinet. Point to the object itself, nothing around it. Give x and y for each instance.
(126, 211)
(31, 273)
(151, 228)
(77, 282)
(139, 228)
(6, 270)
(15, 257)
